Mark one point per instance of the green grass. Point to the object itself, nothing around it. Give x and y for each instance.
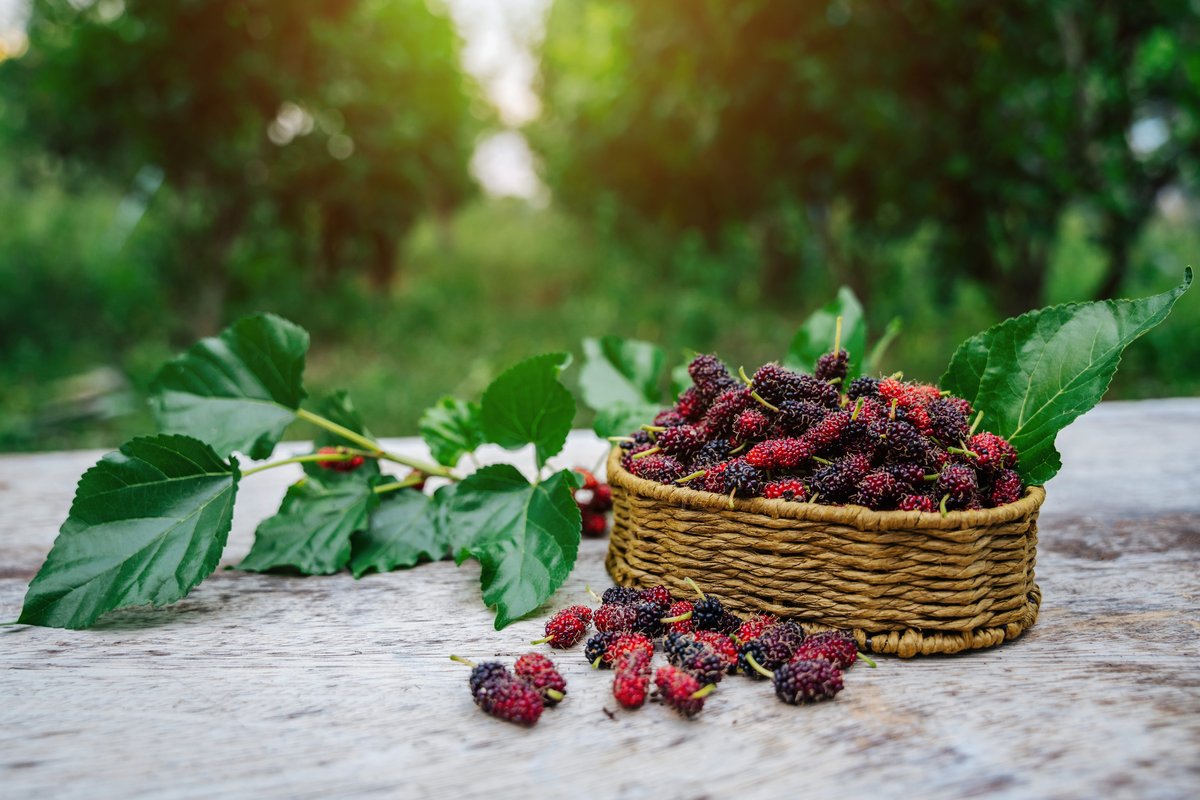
(501, 282)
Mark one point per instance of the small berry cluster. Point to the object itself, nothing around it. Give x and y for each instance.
(701, 640)
(518, 696)
(883, 443)
(595, 501)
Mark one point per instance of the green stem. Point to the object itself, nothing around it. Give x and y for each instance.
(411, 480)
(696, 588)
(305, 459)
(679, 618)
(644, 454)
(867, 660)
(697, 474)
(705, 692)
(555, 695)
(758, 397)
(462, 660)
(373, 447)
(837, 336)
(975, 424)
(745, 379)
(759, 668)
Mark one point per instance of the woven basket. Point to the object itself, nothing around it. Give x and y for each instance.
(904, 582)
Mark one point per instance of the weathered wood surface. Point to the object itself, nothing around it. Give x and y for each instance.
(258, 686)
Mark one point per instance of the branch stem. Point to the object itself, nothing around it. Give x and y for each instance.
(373, 447)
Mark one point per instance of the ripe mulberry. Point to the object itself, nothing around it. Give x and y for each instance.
(780, 453)
(832, 366)
(566, 627)
(862, 387)
(836, 481)
(632, 679)
(1007, 488)
(540, 673)
(836, 647)
(994, 452)
(917, 502)
(743, 479)
(680, 690)
(795, 417)
(751, 424)
(615, 617)
(658, 468)
(807, 681)
(877, 490)
(787, 489)
(958, 483)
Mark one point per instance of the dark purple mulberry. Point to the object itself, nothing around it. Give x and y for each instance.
(832, 366)
(807, 681)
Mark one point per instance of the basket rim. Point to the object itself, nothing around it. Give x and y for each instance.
(860, 517)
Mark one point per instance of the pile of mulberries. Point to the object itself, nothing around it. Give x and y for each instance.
(883, 443)
(700, 639)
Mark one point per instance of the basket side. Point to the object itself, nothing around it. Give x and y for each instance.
(904, 582)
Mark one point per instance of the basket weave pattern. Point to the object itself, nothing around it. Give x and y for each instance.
(904, 582)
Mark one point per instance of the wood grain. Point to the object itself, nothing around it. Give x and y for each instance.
(264, 686)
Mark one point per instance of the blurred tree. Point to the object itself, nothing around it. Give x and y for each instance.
(977, 122)
(340, 119)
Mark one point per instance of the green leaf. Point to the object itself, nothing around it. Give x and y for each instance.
(528, 405)
(338, 408)
(1035, 374)
(311, 532)
(622, 420)
(148, 524)
(525, 536)
(620, 371)
(236, 391)
(402, 531)
(452, 429)
(816, 335)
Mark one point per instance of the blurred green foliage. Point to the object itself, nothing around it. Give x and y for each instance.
(835, 129)
(718, 169)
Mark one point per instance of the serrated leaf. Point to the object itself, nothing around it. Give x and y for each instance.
(622, 420)
(525, 536)
(452, 428)
(311, 532)
(402, 531)
(147, 525)
(338, 408)
(528, 405)
(816, 335)
(238, 390)
(1035, 374)
(620, 371)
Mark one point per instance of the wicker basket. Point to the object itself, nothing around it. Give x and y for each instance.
(905, 582)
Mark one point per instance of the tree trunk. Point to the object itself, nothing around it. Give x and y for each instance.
(384, 249)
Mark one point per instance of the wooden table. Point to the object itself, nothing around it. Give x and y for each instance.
(262, 686)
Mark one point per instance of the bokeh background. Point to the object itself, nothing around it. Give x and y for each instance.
(437, 189)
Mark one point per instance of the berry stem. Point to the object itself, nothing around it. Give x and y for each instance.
(555, 695)
(892, 410)
(700, 473)
(679, 618)
(305, 459)
(462, 660)
(759, 668)
(411, 480)
(373, 447)
(621, 439)
(705, 692)
(738, 449)
(867, 660)
(588, 589)
(837, 335)
(975, 424)
(654, 428)
(942, 504)
(732, 492)
(858, 404)
(759, 398)
(645, 453)
(820, 460)
(745, 378)
(963, 451)
(695, 588)
(543, 640)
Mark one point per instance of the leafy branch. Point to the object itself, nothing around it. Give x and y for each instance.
(150, 522)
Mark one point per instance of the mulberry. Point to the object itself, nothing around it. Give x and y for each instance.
(807, 681)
